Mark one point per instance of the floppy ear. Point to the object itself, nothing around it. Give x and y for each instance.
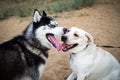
(44, 13)
(89, 37)
(37, 16)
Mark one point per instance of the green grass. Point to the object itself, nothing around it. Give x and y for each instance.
(24, 8)
(71, 4)
(21, 8)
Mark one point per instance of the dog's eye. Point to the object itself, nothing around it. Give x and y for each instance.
(52, 26)
(76, 35)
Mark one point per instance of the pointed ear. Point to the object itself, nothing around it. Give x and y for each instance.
(89, 37)
(37, 16)
(44, 13)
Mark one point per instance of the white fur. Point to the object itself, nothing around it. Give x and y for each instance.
(53, 22)
(90, 62)
(41, 69)
(29, 31)
(36, 17)
(43, 30)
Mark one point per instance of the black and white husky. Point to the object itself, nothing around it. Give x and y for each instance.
(24, 57)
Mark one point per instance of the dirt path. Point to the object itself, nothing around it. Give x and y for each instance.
(101, 20)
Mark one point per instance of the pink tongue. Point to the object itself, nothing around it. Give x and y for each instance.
(55, 42)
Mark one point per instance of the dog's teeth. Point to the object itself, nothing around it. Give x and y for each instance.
(65, 48)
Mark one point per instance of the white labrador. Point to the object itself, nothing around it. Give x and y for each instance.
(87, 61)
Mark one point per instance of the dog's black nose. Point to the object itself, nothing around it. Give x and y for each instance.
(65, 30)
(64, 38)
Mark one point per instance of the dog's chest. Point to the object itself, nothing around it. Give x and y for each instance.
(73, 64)
(41, 68)
(80, 63)
(72, 58)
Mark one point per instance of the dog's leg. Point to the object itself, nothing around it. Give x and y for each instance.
(72, 76)
(82, 76)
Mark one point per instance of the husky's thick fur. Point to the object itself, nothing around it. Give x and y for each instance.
(24, 57)
(87, 61)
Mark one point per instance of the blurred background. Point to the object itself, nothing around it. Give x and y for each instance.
(24, 8)
(101, 18)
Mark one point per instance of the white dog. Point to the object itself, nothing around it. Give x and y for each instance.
(87, 61)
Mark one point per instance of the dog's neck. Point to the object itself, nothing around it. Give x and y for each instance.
(32, 48)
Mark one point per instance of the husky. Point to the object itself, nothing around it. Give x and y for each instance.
(87, 61)
(24, 57)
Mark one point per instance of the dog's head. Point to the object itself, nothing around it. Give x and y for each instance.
(42, 30)
(76, 39)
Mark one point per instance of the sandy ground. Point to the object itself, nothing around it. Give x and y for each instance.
(101, 20)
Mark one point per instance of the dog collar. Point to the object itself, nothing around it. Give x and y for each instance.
(86, 46)
(32, 49)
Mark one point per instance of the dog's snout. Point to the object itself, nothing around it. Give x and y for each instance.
(64, 38)
(65, 30)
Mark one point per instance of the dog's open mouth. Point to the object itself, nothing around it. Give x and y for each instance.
(53, 41)
(66, 47)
